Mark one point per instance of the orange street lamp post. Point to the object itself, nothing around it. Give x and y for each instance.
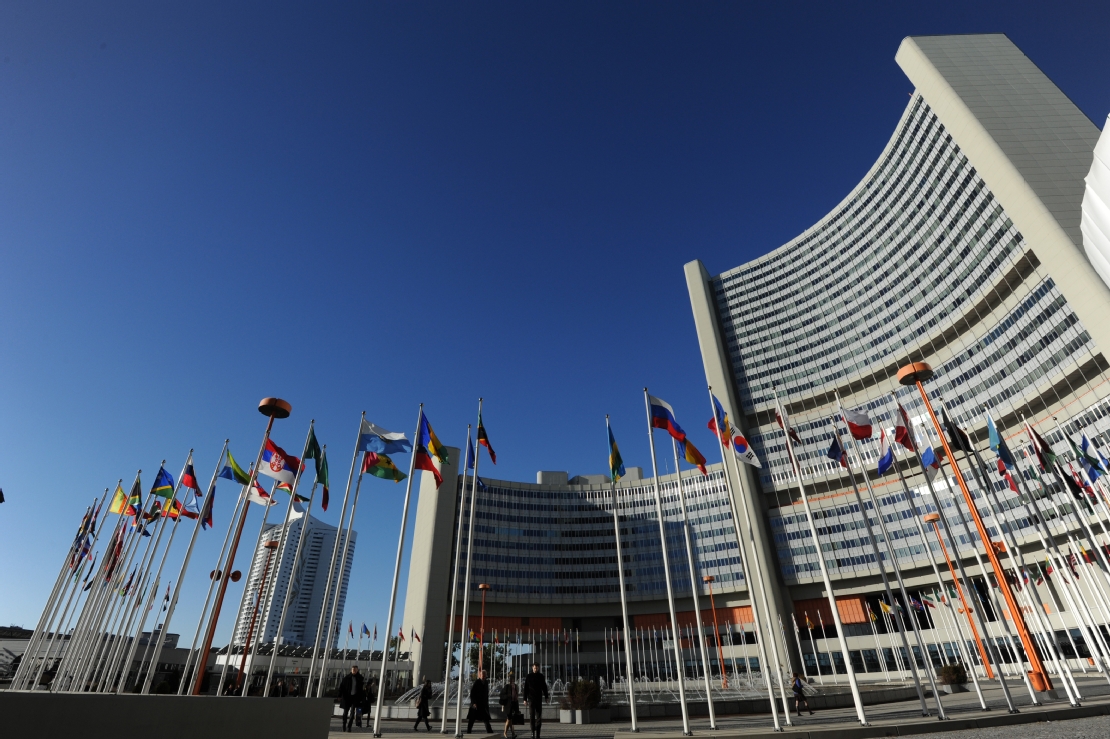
(933, 518)
(709, 580)
(270, 546)
(482, 625)
(915, 373)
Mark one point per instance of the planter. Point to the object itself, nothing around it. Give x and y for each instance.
(566, 716)
(955, 688)
(594, 716)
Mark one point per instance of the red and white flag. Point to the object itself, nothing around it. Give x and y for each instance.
(259, 495)
(784, 424)
(902, 427)
(859, 424)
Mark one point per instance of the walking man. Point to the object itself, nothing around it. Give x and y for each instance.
(350, 697)
(535, 693)
(479, 704)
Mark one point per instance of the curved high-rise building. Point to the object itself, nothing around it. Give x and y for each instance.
(961, 247)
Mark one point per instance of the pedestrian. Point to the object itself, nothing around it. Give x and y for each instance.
(535, 693)
(509, 706)
(424, 706)
(350, 697)
(479, 704)
(800, 695)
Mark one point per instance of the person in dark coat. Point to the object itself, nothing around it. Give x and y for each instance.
(424, 706)
(535, 693)
(350, 697)
(509, 706)
(479, 704)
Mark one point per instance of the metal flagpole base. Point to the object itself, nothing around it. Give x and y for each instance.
(864, 723)
(1013, 710)
(1036, 704)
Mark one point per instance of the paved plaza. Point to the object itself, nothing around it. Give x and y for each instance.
(890, 719)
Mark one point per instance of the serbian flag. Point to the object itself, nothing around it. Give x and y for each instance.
(902, 427)
(276, 463)
(930, 462)
(886, 453)
(837, 454)
(859, 424)
(692, 455)
(662, 417)
(784, 423)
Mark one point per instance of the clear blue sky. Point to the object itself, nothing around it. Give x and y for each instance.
(362, 206)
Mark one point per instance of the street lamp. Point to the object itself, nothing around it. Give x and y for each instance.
(709, 580)
(271, 546)
(482, 625)
(933, 518)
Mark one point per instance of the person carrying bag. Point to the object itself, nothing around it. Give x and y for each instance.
(510, 707)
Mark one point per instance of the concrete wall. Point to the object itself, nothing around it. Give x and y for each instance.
(426, 597)
(41, 714)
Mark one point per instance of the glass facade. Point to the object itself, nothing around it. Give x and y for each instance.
(555, 544)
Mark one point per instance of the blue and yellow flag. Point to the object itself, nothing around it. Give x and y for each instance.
(232, 471)
(616, 464)
(163, 484)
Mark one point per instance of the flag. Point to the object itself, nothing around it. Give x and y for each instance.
(277, 463)
(469, 451)
(189, 479)
(365, 631)
(126, 588)
(119, 501)
(350, 628)
(837, 454)
(719, 424)
(871, 613)
(928, 601)
(287, 488)
(784, 423)
(743, 450)
(427, 444)
(1086, 457)
(415, 636)
(1045, 456)
(375, 632)
(809, 624)
(859, 424)
(483, 439)
(322, 478)
(379, 465)
(163, 484)
(957, 437)
(662, 417)
(401, 634)
(998, 444)
(206, 514)
(616, 464)
(692, 455)
(884, 606)
(177, 508)
(88, 582)
(902, 434)
(234, 472)
(373, 438)
(1073, 485)
(166, 600)
(930, 463)
(259, 495)
(916, 604)
(886, 453)
(113, 554)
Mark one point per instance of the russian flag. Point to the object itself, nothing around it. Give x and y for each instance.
(886, 453)
(276, 463)
(662, 417)
(858, 423)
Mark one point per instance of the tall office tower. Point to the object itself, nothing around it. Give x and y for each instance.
(961, 247)
(307, 583)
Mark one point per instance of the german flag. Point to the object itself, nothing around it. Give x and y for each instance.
(483, 439)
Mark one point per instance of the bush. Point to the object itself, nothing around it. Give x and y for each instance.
(582, 695)
(953, 674)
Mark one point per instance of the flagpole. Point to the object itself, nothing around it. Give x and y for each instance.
(338, 589)
(882, 568)
(265, 599)
(305, 518)
(166, 509)
(690, 560)
(830, 594)
(273, 408)
(331, 567)
(397, 565)
(667, 574)
(455, 592)
(60, 588)
(181, 577)
(53, 602)
(60, 628)
(465, 628)
(620, 567)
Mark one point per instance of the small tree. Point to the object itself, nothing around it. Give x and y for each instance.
(582, 695)
(953, 674)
